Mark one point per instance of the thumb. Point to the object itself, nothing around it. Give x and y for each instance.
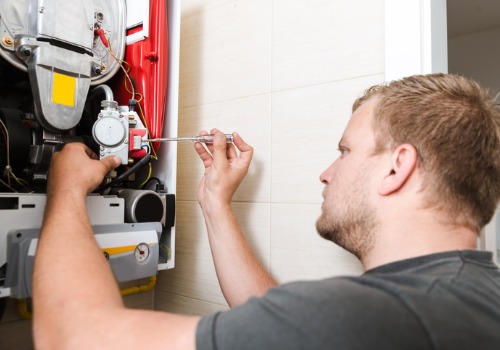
(111, 162)
(219, 147)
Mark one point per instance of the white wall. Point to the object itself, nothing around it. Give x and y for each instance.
(477, 55)
(284, 75)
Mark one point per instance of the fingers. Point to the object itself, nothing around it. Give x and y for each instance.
(205, 156)
(89, 152)
(231, 151)
(220, 150)
(246, 151)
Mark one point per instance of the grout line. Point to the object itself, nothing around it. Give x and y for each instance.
(271, 92)
(187, 297)
(257, 202)
(271, 140)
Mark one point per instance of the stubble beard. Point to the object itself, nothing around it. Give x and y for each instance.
(351, 225)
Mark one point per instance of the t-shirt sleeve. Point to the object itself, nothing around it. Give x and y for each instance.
(258, 324)
(312, 316)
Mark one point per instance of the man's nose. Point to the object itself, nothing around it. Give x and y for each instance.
(326, 175)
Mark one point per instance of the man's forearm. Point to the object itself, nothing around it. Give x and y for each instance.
(240, 274)
(69, 268)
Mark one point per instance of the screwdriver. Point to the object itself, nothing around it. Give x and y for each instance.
(201, 138)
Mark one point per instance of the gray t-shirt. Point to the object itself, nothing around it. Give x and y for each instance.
(441, 301)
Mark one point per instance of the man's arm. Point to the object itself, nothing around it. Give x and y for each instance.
(240, 274)
(77, 303)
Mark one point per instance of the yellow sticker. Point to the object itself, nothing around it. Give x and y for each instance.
(122, 249)
(63, 90)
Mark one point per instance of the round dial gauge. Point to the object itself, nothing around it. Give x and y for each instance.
(109, 131)
(141, 252)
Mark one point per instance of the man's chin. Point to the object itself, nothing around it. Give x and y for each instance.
(324, 229)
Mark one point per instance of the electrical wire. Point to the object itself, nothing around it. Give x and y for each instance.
(125, 71)
(8, 167)
(7, 141)
(143, 117)
(6, 185)
(148, 177)
(124, 175)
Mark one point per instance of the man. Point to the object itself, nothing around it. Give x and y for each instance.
(416, 180)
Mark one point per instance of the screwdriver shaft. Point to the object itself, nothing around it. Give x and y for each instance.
(201, 138)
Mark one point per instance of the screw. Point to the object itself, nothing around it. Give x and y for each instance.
(96, 69)
(25, 50)
(7, 40)
(99, 16)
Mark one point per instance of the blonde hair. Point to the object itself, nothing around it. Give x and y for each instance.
(454, 124)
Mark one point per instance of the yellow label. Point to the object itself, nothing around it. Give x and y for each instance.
(119, 250)
(122, 249)
(63, 90)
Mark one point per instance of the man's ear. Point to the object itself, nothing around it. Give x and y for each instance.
(403, 162)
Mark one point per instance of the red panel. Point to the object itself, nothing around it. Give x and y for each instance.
(148, 60)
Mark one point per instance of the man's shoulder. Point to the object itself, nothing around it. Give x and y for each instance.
(351, 294)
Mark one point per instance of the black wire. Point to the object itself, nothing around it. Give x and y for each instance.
(152, 178)
(123, 176)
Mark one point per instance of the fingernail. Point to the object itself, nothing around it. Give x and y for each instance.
(219, 136)
(118, 160)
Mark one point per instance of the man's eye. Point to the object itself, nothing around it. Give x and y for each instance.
(343, 152)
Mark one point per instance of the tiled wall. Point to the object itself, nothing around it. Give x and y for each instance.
(283, 73)
(16, 332)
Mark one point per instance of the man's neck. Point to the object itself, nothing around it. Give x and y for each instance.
(400, 243)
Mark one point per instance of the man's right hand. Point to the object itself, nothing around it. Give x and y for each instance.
(76, 169)
(224, 168)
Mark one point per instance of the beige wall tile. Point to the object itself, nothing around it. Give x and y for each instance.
(16, 335)
(15, 332)
(298, 252)
(194, 274)
(187, 306)
(196, 6)
(11, 313)
(225, 52)
(251, 118)
(144, 300)
(323, 40)
(307, 124)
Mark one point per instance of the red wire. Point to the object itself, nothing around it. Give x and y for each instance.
(102, 35)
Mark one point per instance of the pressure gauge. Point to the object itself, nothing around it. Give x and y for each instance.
(141, 252)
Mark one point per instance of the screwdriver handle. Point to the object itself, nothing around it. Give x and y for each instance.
(210, 138)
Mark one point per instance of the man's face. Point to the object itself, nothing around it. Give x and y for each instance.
(349, 216)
